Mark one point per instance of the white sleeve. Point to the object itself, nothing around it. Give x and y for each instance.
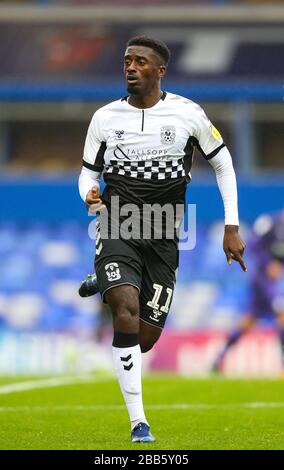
(207, 138)
(93, 159)
(226, 179)
(87, 180)
(95, 145)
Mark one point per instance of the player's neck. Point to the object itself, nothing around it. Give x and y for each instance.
(147, 101)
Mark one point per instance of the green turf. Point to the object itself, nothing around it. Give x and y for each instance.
(63, 418)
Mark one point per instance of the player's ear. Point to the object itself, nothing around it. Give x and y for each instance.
(162, 71)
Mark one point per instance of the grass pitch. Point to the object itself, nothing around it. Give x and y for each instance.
(184, 414)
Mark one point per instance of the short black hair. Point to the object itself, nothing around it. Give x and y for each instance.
(158, 46)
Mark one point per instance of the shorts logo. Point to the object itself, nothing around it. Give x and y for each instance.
(112, 272)
(156, 316)
(168, 135)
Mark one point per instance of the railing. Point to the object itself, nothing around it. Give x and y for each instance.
(151, 14)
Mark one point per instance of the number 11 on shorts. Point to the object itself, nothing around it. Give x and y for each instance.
(154, 302)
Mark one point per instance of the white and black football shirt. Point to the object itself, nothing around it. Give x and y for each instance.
(145, 155)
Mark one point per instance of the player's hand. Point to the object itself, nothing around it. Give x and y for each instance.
(93, 201)
(233, 245)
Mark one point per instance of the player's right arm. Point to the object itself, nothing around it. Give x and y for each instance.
(93, 163)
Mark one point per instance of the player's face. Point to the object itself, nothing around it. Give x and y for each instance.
(143, 70)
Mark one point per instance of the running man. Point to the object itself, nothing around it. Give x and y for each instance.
(143, 146)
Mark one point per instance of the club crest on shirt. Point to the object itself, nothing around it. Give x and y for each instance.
(168, 134)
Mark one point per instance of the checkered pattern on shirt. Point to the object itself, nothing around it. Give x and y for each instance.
(149, 170)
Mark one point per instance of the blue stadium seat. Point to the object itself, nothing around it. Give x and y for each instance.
(30, 265)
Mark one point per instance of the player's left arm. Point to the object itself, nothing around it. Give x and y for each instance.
(233, 244)
(211, 145)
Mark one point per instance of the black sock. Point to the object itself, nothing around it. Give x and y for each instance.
(124, 340)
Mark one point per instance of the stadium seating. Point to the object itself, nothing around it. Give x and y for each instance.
(43, 264)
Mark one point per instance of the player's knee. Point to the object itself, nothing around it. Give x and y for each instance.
(125, 311)
(123, 302)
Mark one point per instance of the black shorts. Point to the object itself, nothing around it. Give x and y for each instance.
(148, 265)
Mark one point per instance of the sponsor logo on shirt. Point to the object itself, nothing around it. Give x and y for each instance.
(122, 153)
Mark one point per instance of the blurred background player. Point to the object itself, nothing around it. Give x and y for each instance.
(266, 250)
